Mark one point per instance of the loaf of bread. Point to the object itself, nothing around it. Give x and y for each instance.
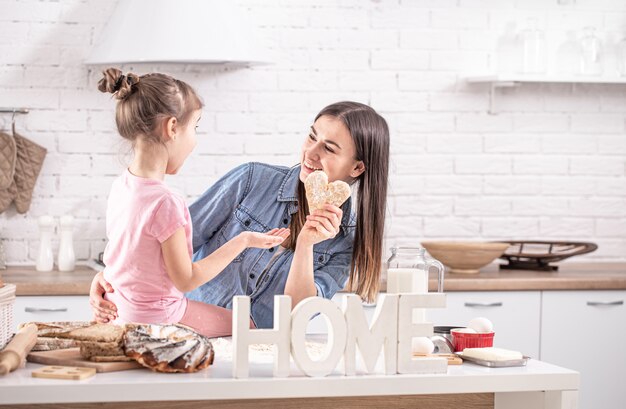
(319, 191)
(89, 349)
(168, 348)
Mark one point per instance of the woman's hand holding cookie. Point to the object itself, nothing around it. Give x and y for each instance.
(322, 224)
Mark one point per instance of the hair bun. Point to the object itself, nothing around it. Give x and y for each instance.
(114, 82)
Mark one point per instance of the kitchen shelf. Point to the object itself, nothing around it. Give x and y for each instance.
(496, 81)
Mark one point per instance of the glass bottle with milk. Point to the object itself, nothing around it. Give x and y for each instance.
(407, 272)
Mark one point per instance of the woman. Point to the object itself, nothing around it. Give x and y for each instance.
(349, 141)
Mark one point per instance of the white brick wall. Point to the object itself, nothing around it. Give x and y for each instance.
(550, 165)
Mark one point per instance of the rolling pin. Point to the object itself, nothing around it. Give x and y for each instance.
(14, 353)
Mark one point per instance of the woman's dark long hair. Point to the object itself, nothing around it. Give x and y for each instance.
(370, 134)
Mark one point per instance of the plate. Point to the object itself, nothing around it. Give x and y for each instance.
(495, 364)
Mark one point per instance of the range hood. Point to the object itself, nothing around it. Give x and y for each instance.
(176, 31)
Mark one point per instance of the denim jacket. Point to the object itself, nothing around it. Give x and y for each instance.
(259, 197)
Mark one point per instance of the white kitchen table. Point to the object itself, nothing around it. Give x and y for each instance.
(538, 385)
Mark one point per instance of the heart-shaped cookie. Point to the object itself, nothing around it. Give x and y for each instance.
(319, 191)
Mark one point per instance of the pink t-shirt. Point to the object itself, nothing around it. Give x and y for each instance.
(141, 214)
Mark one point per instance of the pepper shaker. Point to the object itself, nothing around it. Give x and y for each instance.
(45, 258)
(67, 259)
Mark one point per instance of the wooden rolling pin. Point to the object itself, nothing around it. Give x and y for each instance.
(14, 353)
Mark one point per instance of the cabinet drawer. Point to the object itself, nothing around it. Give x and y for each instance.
(584, 331)
(51, 308)
(515, 316)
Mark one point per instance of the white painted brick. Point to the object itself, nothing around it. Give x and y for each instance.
(451, 226)
(391, 101)
(572, 20)
(111, 164)
(598, 166)
(509, 228)
(608, 249)
(308, 81)
(423, 205)
(11, 76)
(367, 81)
(540, 165)
(44, 99)
(20, 227)
(459, 60)
(295, 124)
(477, 40)
(244, 122)
(610, 227)
(58, 33)
(13, 32)
(482, 206)
(58, 206)
(399, 60)
(248, 80)
(459, 19)
(327, 17)
(399, 17)
(540, 122)
(454, 143)
(517, 143)
(30, 11)
(56, 164)
(425, 122)
(597, 207)
(599, 123)
(96, 12)
(567, 185)
(526, 98)
(611, 186)
(452, 185)
(459, 102)
(405, 184)
(427, 81)
(429, 39)
(365, 40)
(224, 101)
(16, 250)
(45, 120)
(555, 226)
(101, 121)
(489, 4)
(85, 142)
(46, 186)
(561, 98)
(612, 144)
(81, 186)
(511, 185)
(346, 59)
(318, 100)
(274, 144)
(407, 143)
(569, 143)
(309, 38)
(484, 123)
(424, 164)
(498, 19)
(540, 206)
(39, 55)
(281, 16)
(46, 139)
(277, 102)
(54, 77)
(482, 165)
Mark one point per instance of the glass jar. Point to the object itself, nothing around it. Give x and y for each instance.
(591, 53)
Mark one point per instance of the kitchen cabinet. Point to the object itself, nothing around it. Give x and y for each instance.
(51, 308)
(584, 331)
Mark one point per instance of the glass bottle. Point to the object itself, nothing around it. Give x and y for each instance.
(590, 53)
(407, 272)
(508, 59)
(533, 49)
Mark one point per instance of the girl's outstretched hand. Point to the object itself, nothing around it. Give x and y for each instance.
(266, 240)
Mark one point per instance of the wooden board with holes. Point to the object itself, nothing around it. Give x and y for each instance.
(71, 357)
(64, 372)
(452, 358)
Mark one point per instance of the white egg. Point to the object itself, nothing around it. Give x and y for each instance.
(422, 345)
(481, 325)
(464, 330)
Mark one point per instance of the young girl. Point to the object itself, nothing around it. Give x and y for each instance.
(148, 255)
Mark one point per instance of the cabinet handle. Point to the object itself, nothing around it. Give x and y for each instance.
(480, 304)
(32, 309)
(599, 303)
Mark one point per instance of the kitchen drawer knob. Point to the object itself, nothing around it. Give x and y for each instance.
(32, 309)
(599, 303)
(481, 304)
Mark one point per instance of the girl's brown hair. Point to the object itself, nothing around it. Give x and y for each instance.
(370, 134)
(144, 101)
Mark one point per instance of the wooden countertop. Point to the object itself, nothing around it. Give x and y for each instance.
(571, 276)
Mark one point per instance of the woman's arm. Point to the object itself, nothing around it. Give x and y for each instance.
(320, 225)
(187, 275)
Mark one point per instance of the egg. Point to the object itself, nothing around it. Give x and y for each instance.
(481, 325)
(422, 345)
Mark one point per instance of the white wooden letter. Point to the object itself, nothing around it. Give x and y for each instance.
(243, 336)
(382, 333)
(335, 320)
(407, 330)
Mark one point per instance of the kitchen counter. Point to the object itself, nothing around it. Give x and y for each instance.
(571, 276)
(464, 386)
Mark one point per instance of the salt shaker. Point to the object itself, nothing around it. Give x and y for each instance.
(67, 259)
(45, 259)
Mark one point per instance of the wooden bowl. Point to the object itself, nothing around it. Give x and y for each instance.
(465, 257)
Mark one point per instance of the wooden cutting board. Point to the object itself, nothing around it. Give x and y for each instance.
(71, 357)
